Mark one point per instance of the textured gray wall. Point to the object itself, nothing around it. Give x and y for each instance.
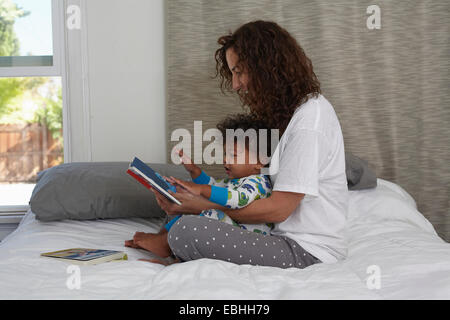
(389, 86)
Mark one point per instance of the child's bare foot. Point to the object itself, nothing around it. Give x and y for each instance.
(153, 242)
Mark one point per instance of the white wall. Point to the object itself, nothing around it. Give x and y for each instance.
(120, 52)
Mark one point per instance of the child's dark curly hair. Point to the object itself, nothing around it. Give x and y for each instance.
(246, 121)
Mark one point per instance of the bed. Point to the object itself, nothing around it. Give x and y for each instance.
(394, 253)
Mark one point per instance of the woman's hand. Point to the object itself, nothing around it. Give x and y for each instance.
(276, 208)
(190, 203)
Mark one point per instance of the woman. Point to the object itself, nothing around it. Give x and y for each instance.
(274, 78)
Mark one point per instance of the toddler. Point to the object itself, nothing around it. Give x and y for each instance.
(243, 184)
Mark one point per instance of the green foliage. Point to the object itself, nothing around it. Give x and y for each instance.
(9, 46)
(15, 92)
(10, 88)
(50, 114)
(43, 94)
(9, 12)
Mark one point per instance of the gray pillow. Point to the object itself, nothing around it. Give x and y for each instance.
(359, 175)
(96, 190)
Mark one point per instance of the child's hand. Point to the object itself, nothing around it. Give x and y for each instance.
(187, 162)
(187, 185)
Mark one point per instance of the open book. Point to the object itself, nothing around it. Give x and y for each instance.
(151, 179)
(85, 256)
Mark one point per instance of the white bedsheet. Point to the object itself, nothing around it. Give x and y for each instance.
(385, 230)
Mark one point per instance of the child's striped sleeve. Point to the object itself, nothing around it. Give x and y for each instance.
(250, 189)
(203, 178)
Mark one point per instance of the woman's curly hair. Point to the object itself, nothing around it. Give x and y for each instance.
(281, 76)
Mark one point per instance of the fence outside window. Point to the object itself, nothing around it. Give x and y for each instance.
(26, 149)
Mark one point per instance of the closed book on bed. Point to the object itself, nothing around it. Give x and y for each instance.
(85, 256)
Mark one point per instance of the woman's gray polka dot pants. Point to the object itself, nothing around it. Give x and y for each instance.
(194, 237)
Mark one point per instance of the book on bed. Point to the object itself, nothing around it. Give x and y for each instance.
(85, 256)
(150, 178)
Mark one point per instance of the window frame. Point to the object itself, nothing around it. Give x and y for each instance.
(57, 70)
(47, 71)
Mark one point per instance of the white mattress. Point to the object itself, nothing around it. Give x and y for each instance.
(384, 230)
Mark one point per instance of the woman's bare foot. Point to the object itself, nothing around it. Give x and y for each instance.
(153, 242)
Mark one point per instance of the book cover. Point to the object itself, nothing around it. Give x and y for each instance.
(86, 256)
(151, 179)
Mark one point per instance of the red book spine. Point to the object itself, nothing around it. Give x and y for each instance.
(139, 178)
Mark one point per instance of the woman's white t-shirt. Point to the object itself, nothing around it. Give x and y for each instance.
(310, 159)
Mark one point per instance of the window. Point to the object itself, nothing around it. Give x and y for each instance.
(31, 96)
(29, 37)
